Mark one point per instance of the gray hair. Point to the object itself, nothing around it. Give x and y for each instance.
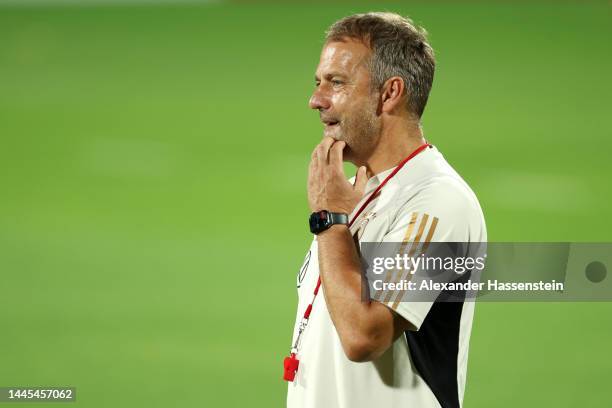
(399, 48)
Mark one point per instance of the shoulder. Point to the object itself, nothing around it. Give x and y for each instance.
(445, 198)
(440, 191)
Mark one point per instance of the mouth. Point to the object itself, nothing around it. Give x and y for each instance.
(330, 123)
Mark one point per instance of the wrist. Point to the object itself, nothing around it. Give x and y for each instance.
(336, 229)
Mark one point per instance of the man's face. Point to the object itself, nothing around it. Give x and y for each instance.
(343, 97)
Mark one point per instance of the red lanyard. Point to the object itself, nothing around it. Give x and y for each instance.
(291, 363)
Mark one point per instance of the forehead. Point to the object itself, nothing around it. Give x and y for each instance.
(346, 57)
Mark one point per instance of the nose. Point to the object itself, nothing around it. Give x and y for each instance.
(319, 100)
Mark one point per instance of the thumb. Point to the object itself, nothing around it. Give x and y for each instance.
(361, 179)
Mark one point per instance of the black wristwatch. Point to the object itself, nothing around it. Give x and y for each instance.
(322, 220)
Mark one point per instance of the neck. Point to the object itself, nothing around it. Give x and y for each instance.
(395, 144)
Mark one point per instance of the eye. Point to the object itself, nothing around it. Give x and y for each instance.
(336, 82)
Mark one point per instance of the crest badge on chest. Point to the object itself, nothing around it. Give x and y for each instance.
(362, 224)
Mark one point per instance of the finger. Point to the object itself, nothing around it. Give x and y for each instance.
(314, 164)
(361, 180)
(335, 155)
(313, 156)
(313, 167)
(323, 149)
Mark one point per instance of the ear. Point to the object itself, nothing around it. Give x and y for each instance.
(392, 94)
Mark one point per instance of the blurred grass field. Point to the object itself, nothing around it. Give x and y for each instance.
(153, 166)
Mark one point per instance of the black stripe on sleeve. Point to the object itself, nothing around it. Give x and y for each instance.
(435, 347)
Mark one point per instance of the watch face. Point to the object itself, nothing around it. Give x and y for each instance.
(319, 221)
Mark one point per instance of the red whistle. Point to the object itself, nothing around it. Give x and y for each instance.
(291, 364)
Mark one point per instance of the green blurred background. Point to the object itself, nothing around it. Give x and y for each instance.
(152, 207)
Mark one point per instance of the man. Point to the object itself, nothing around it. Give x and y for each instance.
(372, 85)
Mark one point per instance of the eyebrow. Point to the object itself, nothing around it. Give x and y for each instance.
(330, 75)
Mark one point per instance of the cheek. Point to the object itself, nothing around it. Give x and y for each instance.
(356, 107)
(340, 102)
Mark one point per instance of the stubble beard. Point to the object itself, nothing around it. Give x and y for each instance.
(361, 132)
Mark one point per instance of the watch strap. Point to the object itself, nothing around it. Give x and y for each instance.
(338, 218)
